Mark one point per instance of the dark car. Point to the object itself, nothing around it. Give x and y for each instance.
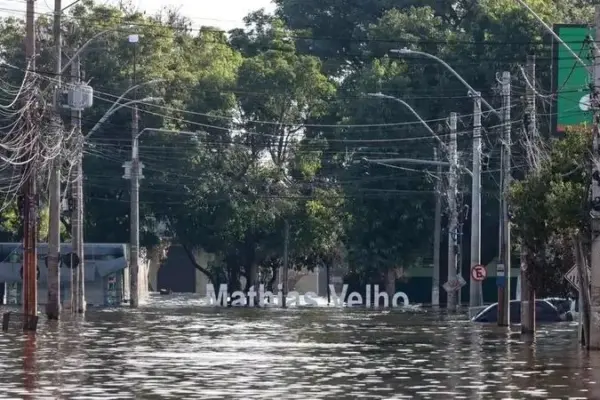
(562, 305)
(544, 312)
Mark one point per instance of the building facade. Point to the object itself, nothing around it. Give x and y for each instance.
(106, 271)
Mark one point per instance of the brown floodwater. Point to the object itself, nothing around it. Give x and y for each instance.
(174, 349)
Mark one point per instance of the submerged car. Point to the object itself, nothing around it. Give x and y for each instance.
(545, 311)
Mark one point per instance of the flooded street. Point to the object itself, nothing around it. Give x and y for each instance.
(168, 351)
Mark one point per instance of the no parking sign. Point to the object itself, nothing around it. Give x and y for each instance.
(478, 273)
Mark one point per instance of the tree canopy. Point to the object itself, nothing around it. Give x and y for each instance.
(270, 124)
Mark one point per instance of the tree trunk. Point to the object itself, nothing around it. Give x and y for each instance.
(390, 283)
(584, 286)
(274, 276)
(233, 277)
(194, 262)
(251, 282)
(527, 296)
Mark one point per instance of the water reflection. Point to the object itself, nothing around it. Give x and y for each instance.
(170, 349)
(29, 365)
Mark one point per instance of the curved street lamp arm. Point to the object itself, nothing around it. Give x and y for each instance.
(551, 31)
(82, 48)
(449, 68)
(115, 109)
(405, 104)
(116, 103)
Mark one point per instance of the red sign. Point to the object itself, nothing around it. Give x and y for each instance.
(479, 273)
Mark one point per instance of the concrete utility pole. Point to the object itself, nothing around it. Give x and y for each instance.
(505, 248)
(435, 289)
(595, 214)
(77, 193)
(527, 293)
(53, 304)
(30, 200)
(284, 273)
(437, 235)
(135, 190)
(452, 207)
(459, 251)
(475, 288)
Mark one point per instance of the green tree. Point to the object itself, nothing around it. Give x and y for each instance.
(549, 206)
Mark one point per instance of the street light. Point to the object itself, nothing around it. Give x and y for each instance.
(134, 216)
(475, 291)
(435, 285)
(117, 106)
(407, 51)
(405, 104)
(551, 31)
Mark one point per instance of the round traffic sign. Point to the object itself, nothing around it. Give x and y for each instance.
(479, 273)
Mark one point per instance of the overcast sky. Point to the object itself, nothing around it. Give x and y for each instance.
(225, 14)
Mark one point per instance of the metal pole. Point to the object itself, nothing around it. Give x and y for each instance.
(78, 295)
(453, 220)
(476, 291)
(328, 280)
(30, 199)
(527, 293)
(284, 274)
(459, 255)
(505, 250)
(135, 197)
(53, 304)
(437, 235)
(74, 216)
(595, 214)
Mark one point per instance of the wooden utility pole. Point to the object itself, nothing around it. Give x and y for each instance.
(30, 199)
(595, 213)
(53, 304)
(527, 292)
(503, 268)
(437, 235)
(453, 211)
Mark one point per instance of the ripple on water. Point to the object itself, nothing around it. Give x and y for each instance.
(173, 349)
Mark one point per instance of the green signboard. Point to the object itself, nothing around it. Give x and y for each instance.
(571, 79)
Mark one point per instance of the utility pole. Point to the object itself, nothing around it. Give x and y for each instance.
(328, 279)
(30, 199)
(437, 235)
(475, 288)
(452, 206)
(595, 214)
(459, 247)
(135, 191)
(505, 248)
(527, 293)
(77, 192)
(284, 273)
(53, 304)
